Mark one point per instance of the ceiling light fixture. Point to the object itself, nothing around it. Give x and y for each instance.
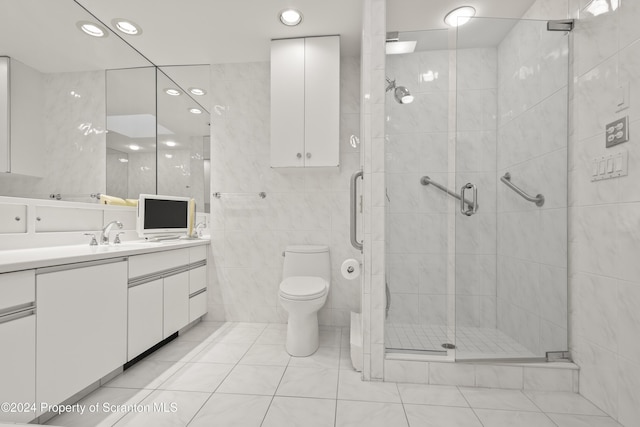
(126, 27)
(459, 16)
(290, 17)
(134, 147)
(195, 110)
(172, 92)
(197, 91)
(123, 160)
(92, 29)
(171, 143)
(168, 156)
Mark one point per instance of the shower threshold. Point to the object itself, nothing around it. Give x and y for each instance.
(417, 352)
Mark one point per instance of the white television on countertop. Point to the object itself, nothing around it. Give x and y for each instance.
(162, 216)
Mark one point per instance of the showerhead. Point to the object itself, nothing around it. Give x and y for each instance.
(400, 93)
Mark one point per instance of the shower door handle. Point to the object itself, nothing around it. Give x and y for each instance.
(472, 207)
(354, 211)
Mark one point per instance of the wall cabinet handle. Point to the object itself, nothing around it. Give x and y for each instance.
(308, 155)
(299, 155)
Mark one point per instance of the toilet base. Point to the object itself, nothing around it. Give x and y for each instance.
(302, 334)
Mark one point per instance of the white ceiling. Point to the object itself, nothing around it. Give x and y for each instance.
(213, 32)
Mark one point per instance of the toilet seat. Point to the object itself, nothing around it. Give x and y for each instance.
(302, 288)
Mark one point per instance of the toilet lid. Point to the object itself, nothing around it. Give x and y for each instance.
(303, 287)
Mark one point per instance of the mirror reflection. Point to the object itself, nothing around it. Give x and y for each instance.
(90, 115)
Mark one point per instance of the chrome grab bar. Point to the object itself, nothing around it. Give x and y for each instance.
(538, 199)
(425, 180)
(473, 207)
(354, 210)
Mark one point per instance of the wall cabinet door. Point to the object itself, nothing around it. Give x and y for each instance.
(176, 303)
(305, 102)
(145, 317)
(81, 327)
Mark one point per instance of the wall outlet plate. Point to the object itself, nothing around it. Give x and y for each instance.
(617, 132)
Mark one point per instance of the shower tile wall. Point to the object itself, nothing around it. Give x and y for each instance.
(249, 234)
(604, 276)
(532, 146)
(72, 148)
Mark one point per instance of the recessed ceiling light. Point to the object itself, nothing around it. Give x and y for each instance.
(134, 147)
(127, 27)
(172, 91)
(123, 160)
(170, 143)
(195, 110)
(459, 16)
(197, 91)
(168, 156)
(92, 29)
(290, 17)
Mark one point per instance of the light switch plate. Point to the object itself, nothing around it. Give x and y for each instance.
(610, 166)
(617, 132)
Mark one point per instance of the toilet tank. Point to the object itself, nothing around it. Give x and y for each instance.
(307, 260)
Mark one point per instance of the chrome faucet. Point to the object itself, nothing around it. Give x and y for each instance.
(198, 228)
(104, 236)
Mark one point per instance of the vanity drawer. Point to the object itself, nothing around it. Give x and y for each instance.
(142, 265)
(17, 288)
(13, 218)
(197, 279)
(197, 253)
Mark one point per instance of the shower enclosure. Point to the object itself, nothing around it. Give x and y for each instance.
(476, 176)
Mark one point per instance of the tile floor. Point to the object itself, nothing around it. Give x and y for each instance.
(471, 342)
(239, 375)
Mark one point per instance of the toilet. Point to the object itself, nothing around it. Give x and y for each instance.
(306, 277)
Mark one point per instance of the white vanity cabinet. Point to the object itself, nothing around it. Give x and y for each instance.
(81, 326)
(197, 282)
(161, 297)
(144, 329)
(305, 102)
(18, 343)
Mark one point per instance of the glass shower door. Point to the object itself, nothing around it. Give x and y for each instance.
(419, 285)
(511, 143)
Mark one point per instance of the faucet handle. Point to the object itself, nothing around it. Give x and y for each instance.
(117, 240)
(93, 242)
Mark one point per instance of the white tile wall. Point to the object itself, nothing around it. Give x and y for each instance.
(301, 207)
(604, 279)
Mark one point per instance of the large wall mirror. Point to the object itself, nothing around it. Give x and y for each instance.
(100, 115)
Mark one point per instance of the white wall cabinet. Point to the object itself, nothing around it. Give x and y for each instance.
(18, 343)
(305, 102)
(81, 326)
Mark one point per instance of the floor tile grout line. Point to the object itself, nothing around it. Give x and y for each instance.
(274, 393)
(471, 407)
(404, 409)
(335, 411)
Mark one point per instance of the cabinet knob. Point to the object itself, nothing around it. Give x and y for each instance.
(299, 155)
(38, 218)
(17, 218)
(308, 155)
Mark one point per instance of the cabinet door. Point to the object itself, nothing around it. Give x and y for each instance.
(176, 303)
(322, 101)
(81, 327)
(287, 103)
(18, 366)
(145, 317)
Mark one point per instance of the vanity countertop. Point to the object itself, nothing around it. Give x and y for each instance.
(25, 259)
